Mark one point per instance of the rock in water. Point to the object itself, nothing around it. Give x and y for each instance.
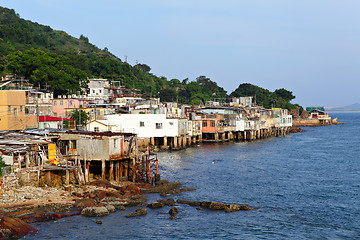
(173, 211)
(138, 212)
(234, 207)
(95, 212)
(161, 203)
(217, 206)
(14, 228)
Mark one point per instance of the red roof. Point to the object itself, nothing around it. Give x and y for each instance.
(52, 119)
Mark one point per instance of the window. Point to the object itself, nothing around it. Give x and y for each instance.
(212, 123)
(96, 129)
(9, 108)
(99, 91)
(171, 123)
(158, 126)
(61, 103)
(70, 102)
(55, 103)
(204, 123)
(93, 91)
(115, 143)
(142, 124)
(21, 108)
(15, 111)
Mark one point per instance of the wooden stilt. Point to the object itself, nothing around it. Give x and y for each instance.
(111, 171)
(103, 169)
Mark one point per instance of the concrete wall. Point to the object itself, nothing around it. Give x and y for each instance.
(12, 108)
(240, 125)
(130, 123)
(93, 149)
(54, 124)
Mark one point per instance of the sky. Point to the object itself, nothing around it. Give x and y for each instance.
(309, 47)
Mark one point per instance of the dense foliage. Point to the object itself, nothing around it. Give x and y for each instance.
(280, 98)
(61, 63)
(80, 117)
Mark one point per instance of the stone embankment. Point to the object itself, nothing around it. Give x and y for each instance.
(21, 206)
(313, 122)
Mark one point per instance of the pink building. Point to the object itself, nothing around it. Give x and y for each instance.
(59, 105)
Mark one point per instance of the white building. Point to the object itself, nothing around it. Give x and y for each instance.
(145, 125)
(101, 126)
(99, 89)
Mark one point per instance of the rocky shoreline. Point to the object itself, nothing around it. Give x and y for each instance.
(21, 206)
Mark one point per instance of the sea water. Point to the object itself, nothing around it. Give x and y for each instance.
(303, 186)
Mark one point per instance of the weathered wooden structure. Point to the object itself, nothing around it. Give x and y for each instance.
(108, 155)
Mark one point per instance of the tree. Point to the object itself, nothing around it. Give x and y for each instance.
(143, 67)
(175, 82)
(285, 94)
(167, 95)
(45, 69)
(80, 116)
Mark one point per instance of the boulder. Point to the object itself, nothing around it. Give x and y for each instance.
(161, 203)
(234, 207)
(110, 208)
(183, 201)
(155, 205)
(173, 211)
(95, 212)
(217, 206)
(136, 200)
(161, 182)
(118, 205)
(166, 187)
(138, 212)
(14, 228)
(133, 189)
(205, 204)
(85, 202)
(108, 194)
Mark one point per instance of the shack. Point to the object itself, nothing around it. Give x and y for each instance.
(107, 155)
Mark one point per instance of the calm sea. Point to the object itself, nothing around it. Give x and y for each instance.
(304, 186)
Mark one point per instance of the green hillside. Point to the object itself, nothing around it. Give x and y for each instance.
(62, 63)
(280, 98)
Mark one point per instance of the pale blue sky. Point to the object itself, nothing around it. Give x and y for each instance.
(310, 47)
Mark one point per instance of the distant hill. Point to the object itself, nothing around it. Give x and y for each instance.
(349, 108)
(78, 58)
(62, 63)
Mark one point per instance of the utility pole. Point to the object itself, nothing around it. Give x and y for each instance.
(95, 110)
(37, 111)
